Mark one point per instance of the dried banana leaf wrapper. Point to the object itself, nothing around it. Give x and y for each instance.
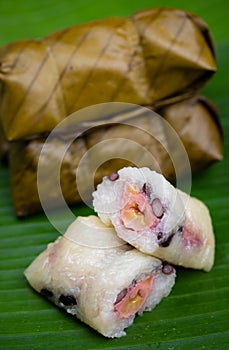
(144, 59)
(120, 145)
(197, 123)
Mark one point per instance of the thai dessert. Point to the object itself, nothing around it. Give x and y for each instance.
(194, 245)
(142, 205)
(100, 279)
(145, 130)
(152, 215)
(158, 58)
(147, 58)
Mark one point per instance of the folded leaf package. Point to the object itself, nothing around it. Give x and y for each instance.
(144, 59)
(146, 130)
(98, 278)
(157, 58)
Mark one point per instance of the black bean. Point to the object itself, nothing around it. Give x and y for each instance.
(166, 268)
(67, 300)
(46, 293)
(113, 176)
(166, 241)
(146, 189)
(121, 295)
(159, 236)
(157, 207)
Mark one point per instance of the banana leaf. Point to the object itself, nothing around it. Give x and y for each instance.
(148, 57)
(196, 314)
(143, 140)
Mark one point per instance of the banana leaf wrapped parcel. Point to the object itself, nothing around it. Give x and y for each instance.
(197, 123)
(119, 139)
(158, 58)
(144, 59)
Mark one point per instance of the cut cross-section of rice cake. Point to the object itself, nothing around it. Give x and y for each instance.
(156, 218)
(144, 208)
(194, 245)
(93, 274)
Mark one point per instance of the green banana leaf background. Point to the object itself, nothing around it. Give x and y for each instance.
(196, 314)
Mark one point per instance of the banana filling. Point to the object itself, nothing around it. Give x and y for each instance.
(138, 213)
(130, 300)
